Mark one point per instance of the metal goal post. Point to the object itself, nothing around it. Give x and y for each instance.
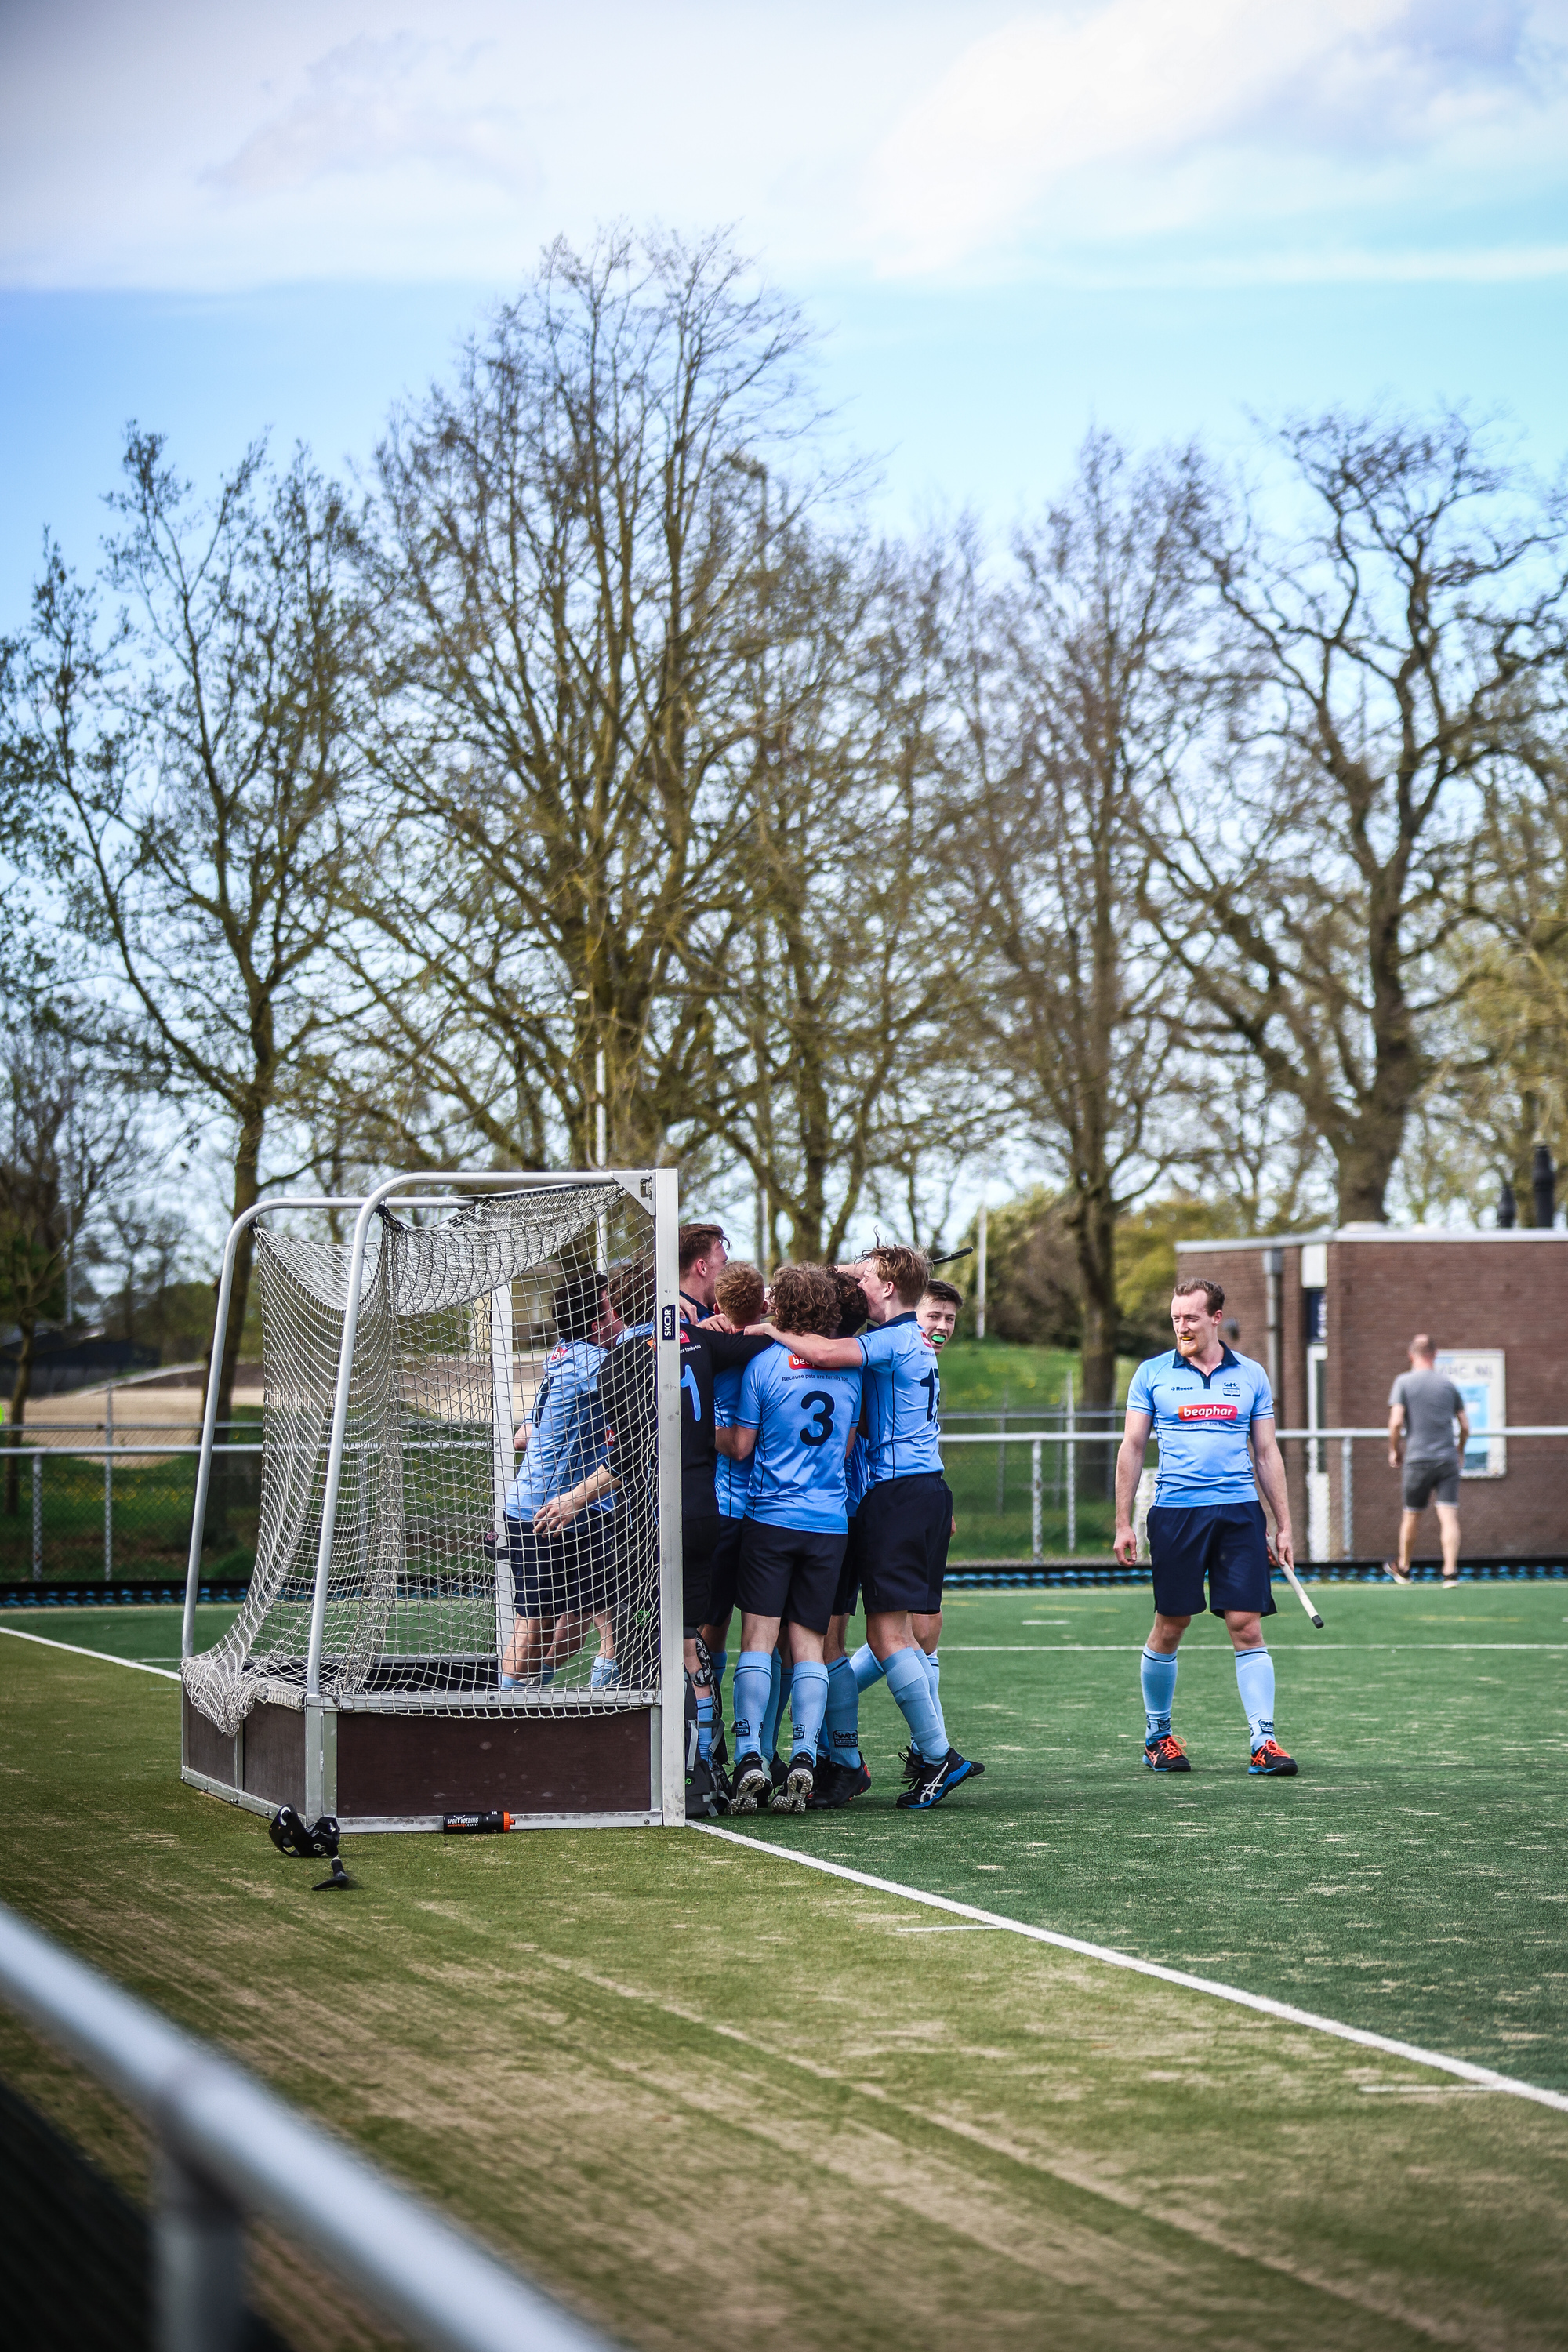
(656, 1192)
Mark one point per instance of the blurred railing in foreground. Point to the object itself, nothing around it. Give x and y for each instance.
(228, 2149)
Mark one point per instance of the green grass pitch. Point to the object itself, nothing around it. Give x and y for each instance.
(703, 2092)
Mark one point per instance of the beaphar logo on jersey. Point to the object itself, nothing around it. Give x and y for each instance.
(1208, 1412)
(798, 1364)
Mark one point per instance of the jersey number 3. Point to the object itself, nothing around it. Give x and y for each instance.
(820, 1428)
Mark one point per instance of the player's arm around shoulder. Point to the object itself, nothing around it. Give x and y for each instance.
(822, 1355)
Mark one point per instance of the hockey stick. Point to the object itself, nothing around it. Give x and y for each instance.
(1299, 1590)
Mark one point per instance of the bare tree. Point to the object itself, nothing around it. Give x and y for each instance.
(1499, 1055)
(1405, 654)
(196, 756)
(1084, 689)
(835, 1001)
(68, 1136)
(563, 565)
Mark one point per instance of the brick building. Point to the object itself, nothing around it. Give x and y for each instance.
(1331, 1314)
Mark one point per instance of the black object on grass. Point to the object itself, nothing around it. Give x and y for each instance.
(317, 1842)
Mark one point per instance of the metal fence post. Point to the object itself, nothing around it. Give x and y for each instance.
(1347, 1497)
(108, 1482)
(1037, 1550)
(198, 2263)
(1070, 1450)
(37, 1517)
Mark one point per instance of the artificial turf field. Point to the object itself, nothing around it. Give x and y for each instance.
(704, 2093)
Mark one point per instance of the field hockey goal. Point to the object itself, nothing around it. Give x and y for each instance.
(420, 1637)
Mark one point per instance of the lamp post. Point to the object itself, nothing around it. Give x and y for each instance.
(980, 1276)
(601, 1123)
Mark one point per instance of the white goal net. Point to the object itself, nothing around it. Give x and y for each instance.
(495, 1544)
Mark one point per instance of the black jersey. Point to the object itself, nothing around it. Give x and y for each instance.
(703, 1353)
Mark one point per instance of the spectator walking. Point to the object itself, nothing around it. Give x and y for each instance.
(1423, 1407)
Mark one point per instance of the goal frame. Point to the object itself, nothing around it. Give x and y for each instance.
(653, 1188)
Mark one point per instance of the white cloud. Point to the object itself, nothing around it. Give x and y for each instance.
(1136, 116)
(184, 146)
(377, 105)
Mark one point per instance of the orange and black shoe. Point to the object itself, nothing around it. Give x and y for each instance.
(1271, 1758)
(1166, 1754)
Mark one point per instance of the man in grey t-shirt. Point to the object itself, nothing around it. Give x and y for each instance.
(1423, 1407)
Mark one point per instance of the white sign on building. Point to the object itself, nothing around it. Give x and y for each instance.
(1478, 1374)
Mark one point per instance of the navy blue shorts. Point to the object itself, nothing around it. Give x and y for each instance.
(700, 1540)
(847, 1598)
(570, 1574)
(898, 1543)
(790, 1572)
(723, 1569)
(1226, 1542)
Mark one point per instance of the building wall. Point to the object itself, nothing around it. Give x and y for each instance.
(1469, 1291)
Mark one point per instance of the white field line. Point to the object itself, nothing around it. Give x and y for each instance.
(138, 1665)
(1212, 1649)
(1484, 2078)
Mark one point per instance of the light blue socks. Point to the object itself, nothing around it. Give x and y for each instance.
(807, 1704)
(911, 1686)
(770, 1725)
(753, 1679)
(786, 1691)
(933, 1669)
(844, 1714)
(1158, 1675)
(865, 1667)
(1255, 1681)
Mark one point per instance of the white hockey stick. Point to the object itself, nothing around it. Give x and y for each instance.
(1299, 1590)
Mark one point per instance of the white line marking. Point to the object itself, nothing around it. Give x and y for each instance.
(952, 1928)
(1486, 2077)
(139, 1665)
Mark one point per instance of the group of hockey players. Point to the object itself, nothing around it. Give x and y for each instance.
(811, 1479)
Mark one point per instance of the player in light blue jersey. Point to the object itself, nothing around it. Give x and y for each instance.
(796, 1422)
(899, 1535)
(558, 1570)
(1204, 1403)
(739, 1295)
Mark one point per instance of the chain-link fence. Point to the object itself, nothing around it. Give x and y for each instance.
(1032, 1486)
(78, 1513)
(78, 1510)
(1037, 1488)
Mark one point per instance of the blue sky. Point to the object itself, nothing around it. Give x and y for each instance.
(1009, 223)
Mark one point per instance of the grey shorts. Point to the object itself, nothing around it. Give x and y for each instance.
(1430, 1482)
